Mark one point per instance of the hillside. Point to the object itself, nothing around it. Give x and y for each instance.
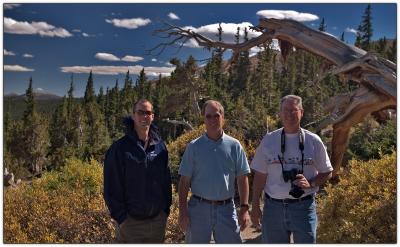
(46, 103)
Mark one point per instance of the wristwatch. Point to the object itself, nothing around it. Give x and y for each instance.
(244, 206)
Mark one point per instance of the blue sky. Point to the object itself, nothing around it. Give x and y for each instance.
(50, 41)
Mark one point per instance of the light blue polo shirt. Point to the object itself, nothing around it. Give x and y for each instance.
(213, 166)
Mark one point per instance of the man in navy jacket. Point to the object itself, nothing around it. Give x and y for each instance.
(137, 180)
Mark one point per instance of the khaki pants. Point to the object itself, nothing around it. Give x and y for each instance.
(142, 231)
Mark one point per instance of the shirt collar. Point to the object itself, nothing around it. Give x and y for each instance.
(217, 141)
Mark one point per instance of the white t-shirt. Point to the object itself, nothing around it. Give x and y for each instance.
(266, 161)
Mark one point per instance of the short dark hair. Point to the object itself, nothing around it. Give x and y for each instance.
(208, 102)
(141, 101)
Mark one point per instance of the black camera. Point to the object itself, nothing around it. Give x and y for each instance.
(295, 190)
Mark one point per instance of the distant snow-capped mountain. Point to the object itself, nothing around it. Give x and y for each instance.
(38, 93)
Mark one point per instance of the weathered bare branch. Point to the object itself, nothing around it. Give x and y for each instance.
(183, 122)
(377, 76)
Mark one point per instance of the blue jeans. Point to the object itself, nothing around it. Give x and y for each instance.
(281, 219)
(206, 219)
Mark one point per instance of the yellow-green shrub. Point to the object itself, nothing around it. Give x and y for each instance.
(64, 206)
(361, 208)
(173, 234)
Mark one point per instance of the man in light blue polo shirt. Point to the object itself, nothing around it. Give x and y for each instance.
(209, 167)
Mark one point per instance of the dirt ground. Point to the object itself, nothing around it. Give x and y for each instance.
(251, 235)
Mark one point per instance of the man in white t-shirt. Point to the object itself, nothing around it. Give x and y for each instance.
(289, 165)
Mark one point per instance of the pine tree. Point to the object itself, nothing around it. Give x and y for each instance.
(392, 52)
(239, 71)
(33, 136)
(6, 128)
(160, 96)
(89, 92)
(127, 95)
(101, 99)
(113, 112)
(322, 26)
(366, 29)
(70, 99)
(381, 47)
(358, 37)
(58, 131)
(141, 82)
(30, 104)
(342, 37)
(95, 137)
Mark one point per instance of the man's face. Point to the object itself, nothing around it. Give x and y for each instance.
(143, 115)
(291, 113)
(213, 119)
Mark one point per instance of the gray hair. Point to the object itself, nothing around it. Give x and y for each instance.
(214, 102)
(296, 98)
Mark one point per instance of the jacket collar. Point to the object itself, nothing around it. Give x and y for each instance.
(131, 133)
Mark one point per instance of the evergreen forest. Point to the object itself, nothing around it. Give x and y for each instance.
(79, 131)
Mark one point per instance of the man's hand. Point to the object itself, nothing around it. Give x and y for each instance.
(256, 215)
(244, 218)
(302, 182)
(183, 220)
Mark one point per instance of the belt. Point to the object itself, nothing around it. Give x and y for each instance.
(287, 200)
(217, 202)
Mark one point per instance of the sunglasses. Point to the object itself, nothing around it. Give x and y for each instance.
(144, 113)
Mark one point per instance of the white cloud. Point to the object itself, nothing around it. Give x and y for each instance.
(173, 16)
(129, 23)
(16, 68)
(34, 28)
(228, 35)
(28, 55)
(114, 70)
(76, 30)
(8, 53)
(254, 50)
(86, 35)
(106, 57)
(274, 45)
(154, 60)
(192, 44)
(351, 30)
(11, 5)
(131, 58)
(287, 14)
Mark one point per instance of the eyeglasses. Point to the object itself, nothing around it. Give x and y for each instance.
(291, 111)
(210, 116)
(144, 113)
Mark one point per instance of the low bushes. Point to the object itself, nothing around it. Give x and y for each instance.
(361, 208)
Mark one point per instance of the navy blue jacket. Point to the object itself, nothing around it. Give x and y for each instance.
(137, 181)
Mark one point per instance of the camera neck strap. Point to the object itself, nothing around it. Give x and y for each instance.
(301, 147)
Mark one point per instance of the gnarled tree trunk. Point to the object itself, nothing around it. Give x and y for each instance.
(377, 76)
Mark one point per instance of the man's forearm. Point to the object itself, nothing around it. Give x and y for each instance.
(183, 191)
(258, 186)
(243, 187)
(321, 178)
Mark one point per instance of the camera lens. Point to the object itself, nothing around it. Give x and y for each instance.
(296, 191)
